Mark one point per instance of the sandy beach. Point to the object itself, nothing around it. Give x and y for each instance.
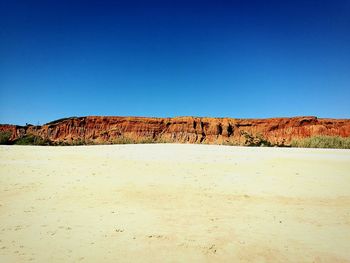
(174, 203)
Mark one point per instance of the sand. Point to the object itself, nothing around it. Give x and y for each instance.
(174, 203)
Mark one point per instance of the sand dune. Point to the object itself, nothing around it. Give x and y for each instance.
(174, 203)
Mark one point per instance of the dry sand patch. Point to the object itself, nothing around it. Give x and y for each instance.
(174, 203)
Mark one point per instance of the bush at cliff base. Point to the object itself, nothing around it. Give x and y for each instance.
(31, 140)
(335, 142)
(5, 137)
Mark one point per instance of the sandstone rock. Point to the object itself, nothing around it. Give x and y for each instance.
(98, 129)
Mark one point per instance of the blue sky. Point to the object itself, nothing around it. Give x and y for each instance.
(241, 59)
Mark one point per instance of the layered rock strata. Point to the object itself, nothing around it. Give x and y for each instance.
(98, 129)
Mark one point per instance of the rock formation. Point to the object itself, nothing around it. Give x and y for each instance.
(98, 129)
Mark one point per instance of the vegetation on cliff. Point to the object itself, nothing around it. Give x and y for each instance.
(5, 137)
(32, 140)
(335, 142)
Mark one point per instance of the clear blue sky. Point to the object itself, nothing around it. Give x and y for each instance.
(173, 58)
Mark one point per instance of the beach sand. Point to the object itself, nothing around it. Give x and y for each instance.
(174, 203)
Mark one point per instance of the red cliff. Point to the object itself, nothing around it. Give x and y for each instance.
(92, 129)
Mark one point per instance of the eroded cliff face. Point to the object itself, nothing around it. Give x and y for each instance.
(97, 129)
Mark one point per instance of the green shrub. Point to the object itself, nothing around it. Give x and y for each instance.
(61, 143)
(123, 140)
(32, 140)
(335, 142)
(79, 142)
(257, 140)
(5, 137)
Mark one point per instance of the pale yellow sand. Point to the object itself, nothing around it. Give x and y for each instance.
(174, 203)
